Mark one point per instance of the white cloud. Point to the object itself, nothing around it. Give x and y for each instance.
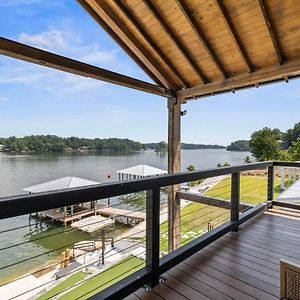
(57, 82)
(48, 40)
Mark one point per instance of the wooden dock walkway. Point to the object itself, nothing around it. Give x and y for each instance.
(132, 217)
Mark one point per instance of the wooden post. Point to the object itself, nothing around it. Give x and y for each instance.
(174, 108)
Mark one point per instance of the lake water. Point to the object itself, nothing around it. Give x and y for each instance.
(18, 171)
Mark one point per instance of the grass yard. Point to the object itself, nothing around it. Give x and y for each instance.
(195, 216)
(253, 189)
(105, 279)
(73, 279)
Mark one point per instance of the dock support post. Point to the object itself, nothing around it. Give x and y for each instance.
(174, 115)
(103, 246)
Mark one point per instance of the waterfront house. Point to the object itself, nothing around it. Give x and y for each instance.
(190, 50)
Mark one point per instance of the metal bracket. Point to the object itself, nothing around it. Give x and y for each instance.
(171, 95)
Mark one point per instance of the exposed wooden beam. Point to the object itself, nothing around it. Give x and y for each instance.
(268, 74)
(234, 34)
(201, 36)
(116, 24)
(51, 60)
(211, 201)
(272, 31)
(116, 38)
(150, 42)
(176, 41)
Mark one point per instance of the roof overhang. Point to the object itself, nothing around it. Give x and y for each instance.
(189, 48)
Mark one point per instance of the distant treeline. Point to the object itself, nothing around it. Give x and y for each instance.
(52, 143)
(240, 145)
(185, 146)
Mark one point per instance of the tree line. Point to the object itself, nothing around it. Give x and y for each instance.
(272, 144)
(53, 143)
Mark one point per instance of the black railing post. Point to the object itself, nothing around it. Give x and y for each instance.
(235, 199)
(270, 183)
(153, 234)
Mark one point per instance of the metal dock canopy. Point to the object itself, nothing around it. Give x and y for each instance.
(67, 182)
(140, 171)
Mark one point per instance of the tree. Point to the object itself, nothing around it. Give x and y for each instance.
(264, 144)
(226, 164)
(290, 136)
(294, 150)
(240, 145)
(161, 147)
(247, 160)
(191, 168)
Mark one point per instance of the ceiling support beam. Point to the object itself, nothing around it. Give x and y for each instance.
(201, 37)
(47, 59)
(114, 22)
(234, 34)
(176, 41)
(264, 75)
(116, 38)
(150, 42)
(272, 31)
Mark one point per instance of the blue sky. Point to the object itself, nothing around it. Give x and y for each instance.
(37, 100)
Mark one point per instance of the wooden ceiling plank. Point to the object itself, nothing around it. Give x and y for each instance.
(272, 31)
(113, 21)
(201, 37)
(234, 34)
(116, 38)
(152, 44)
(178, 44)
(44, 58)
(263, 75)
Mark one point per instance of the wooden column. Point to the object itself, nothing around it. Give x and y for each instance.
(174, 108)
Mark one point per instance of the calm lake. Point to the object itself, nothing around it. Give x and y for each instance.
(18, 171)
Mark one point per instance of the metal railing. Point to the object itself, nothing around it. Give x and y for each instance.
(155, 265)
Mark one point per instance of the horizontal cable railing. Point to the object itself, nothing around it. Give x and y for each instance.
(223, 208)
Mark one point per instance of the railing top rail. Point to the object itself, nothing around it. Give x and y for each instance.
(24, 204)
(287, 164)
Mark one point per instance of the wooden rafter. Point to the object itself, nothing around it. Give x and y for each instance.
(267, 74)
(116, 38)
(130, 39)
(272, 31)
(234, 34)
(176, 41)
(51, 60)
(201, 37)
(150, 42)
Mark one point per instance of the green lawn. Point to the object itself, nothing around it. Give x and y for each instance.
(105, 279)
(253, 189)
(195, 216)
(73, 279)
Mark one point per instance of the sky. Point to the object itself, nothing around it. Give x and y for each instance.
(38, 100)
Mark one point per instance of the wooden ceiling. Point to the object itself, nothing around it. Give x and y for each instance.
(202, 47)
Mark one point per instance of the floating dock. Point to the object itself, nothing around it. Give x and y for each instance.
(132, 217)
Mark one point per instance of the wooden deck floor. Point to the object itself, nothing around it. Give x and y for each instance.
(242, 265)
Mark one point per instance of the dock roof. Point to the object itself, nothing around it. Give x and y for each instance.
(142, 170)
(60, 184)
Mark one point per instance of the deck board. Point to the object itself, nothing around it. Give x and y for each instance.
(240, 265)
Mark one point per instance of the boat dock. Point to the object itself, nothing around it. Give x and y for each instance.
(132, 217)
